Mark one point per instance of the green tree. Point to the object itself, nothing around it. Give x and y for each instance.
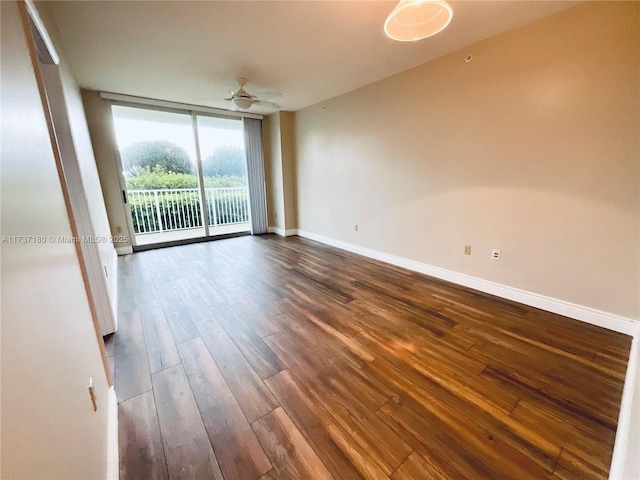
(152, 153)
(227, 160)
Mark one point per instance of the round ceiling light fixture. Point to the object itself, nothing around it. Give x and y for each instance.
(242, 103)
(413, 20)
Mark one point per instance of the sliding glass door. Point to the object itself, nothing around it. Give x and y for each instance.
(184, 175)
(224, 171)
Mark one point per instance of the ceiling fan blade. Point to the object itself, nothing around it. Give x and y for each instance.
(269, 94)
(266, 103)
(241, 96)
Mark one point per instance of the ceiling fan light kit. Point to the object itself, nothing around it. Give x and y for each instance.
(242, 103)
(414, 20)
(242, 99)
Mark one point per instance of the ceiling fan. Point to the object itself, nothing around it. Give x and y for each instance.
(243, 100)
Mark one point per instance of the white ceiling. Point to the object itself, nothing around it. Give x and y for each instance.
(309, 51)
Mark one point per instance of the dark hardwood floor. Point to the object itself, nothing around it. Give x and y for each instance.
(272, 358)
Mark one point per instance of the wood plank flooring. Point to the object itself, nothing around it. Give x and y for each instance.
(281, 358)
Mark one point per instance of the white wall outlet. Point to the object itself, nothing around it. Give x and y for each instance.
(355, 228)
(495, 254)
(467, 249)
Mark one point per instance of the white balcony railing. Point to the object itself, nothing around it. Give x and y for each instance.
(164, 210)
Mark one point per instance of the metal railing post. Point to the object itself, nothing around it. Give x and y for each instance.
(214, 210)
(155, 194)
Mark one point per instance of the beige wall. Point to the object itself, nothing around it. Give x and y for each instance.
(273, 171)
(266, 147)
(532, 148)
(279, 146)
(49, 346)
(287, 135)
(100, 122)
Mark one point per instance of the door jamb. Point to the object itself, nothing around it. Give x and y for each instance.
(29, 15)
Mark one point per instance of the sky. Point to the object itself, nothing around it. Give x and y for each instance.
(137, 125)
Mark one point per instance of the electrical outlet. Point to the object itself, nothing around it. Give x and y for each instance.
(495, 254)
(355, 228)
(467, 249)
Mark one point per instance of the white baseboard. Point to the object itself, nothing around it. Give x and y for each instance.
(624, 462)
(124, 250)
(282, 232)
(611, 321)
(113, 459)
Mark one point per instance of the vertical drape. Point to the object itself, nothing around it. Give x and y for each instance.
(255, 175)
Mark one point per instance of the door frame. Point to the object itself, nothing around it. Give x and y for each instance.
(43, 54)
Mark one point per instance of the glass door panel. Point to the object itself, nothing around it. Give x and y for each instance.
(160, 168)
(224, 170)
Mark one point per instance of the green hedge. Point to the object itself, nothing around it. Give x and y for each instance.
(158, 178)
